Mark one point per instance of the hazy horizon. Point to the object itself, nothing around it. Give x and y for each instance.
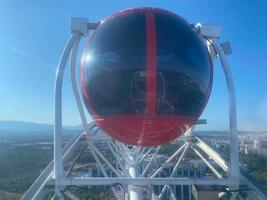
(76, 126)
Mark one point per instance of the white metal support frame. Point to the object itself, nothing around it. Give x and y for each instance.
(130, 158)
(58, 167)
(79, 29)
(234, 159)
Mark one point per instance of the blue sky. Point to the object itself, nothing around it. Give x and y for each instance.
(33, 34)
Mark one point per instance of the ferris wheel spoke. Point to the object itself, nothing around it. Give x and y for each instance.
(150, 161)
(118, 160)
(175, 169)
(142, 157)
(170, 159)
(118, 173)
(215, 172)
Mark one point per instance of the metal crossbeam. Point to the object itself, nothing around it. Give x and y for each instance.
(147, 181)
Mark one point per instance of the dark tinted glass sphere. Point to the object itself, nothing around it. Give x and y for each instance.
(146, 76)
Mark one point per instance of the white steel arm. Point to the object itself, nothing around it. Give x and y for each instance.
(234, 157)
(58, 169)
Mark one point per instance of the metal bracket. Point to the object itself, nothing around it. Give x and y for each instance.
(82, 25)
(208, 30)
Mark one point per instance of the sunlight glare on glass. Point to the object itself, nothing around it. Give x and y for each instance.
(88, 58)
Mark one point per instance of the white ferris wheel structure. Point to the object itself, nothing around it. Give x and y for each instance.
(131, 170)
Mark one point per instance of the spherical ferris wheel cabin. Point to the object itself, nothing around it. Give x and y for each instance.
(146, 76)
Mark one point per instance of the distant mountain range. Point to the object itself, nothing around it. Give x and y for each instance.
(31, 126)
